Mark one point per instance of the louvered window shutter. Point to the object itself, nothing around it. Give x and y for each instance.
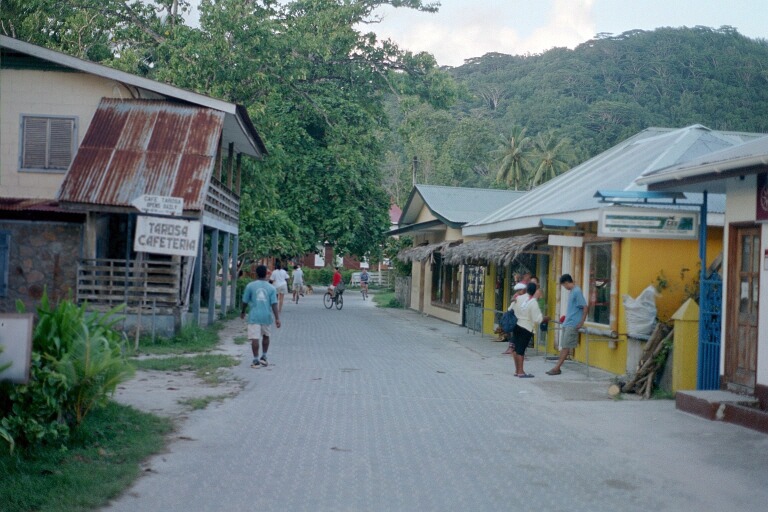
(35, 143)
(60, 145)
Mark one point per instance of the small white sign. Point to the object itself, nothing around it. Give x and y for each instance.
(159, 205)
(648, 223)
(159, 235)
(16, 344)
(565, 241)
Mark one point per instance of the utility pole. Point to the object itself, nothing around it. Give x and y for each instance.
(415, 166)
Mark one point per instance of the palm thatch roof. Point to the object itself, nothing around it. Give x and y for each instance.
(501, 251)
(422, 252)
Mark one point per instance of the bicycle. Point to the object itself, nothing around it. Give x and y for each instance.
(338, 299)
(364, 289)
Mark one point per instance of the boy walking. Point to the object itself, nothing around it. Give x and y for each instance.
(575, 315)
(260, 300)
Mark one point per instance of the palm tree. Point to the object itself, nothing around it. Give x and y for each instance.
(553, 155)
(514, 154)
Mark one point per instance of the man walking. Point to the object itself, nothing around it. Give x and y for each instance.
(260, 300)
(364, 283)
(575, 315)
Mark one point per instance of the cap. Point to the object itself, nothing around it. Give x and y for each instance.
(520, 286)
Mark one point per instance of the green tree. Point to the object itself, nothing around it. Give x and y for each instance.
(513, 158)
(551, 156)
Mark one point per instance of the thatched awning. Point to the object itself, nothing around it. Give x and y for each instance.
(422, 252)
(501, 251)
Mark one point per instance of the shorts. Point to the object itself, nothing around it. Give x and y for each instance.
(569, 338)
(521, 338)
(282, 289)
(256, 331)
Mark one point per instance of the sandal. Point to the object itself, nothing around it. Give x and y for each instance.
(526, 376)
(554, 372)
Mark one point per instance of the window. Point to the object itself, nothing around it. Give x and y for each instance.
(47, 143)
(5, 249)
(598, 261)
(445, 283)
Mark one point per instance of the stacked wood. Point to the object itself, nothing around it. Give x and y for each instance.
(647, 368)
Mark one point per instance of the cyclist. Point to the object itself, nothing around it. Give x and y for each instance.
(335, 282)
(364, 283)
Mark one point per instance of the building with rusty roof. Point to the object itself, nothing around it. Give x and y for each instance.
(84, 148)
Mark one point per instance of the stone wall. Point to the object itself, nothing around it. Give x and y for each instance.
(43, 255)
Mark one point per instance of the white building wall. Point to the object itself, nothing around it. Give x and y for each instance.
(44, 93)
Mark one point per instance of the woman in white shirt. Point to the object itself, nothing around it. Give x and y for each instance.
(280, 280)
(528, 314)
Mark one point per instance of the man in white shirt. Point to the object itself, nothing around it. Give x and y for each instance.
(298, 283)
(280, 281)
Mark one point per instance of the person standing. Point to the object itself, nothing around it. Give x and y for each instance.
(298, 283)
(519, 290)
(280, 281)
(260, 301)
(364, 283)
(575, 315)
(528, 313)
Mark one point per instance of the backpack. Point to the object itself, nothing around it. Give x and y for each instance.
(508, 321)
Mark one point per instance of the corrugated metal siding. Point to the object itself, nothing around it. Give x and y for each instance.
(135, 147)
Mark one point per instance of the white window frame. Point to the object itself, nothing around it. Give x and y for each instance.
(613, 304)
(75, 124)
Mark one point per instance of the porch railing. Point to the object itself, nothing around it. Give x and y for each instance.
(109, 282)
(222, 202)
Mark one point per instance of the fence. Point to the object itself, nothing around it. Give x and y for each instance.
(109, 282)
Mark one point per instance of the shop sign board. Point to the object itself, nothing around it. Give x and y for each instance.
(648, 223)
(15, 346)
(162, 235)
(159, 205)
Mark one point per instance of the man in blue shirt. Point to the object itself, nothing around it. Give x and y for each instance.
(575, 315)
(260, 300)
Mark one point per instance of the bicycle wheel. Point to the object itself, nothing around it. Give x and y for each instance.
(327, 300)
(339, 302)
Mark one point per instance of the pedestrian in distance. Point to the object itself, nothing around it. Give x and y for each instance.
(298, 283)
(335, 282)
(575, 315)
(529, 316)
(260, 302)
(280, 281)
(364, 283)
(519, 290)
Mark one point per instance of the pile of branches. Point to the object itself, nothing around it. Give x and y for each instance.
(651, 362)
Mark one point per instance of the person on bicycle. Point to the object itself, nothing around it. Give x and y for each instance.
(335, 282)
(364, 283)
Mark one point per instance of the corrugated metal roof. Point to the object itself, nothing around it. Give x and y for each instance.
(136, 147)
(456, 205)
(14, 204)
(614, 169)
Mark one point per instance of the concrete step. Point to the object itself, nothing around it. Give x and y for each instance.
(725, 406)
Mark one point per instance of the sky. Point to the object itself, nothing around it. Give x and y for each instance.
(463, 29)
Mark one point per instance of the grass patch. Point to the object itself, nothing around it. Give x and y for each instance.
(203, 401)
(190, 339)
(100, 461)
(241, 340)
(205, 366)
(386, 299)
(660, 394)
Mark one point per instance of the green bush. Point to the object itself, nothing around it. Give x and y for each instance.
(324, 276)
(76, 364)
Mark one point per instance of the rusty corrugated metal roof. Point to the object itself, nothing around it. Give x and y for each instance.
(15, 204)
(136, 147)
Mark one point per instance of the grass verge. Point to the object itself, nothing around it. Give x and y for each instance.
(190, 339)
(203, 401)
(205, 366)
(241, 340)
(100, 461)
(386, 299)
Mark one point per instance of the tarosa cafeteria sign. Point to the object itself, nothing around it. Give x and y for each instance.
(160, 235)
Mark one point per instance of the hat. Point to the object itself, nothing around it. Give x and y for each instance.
(520, 286)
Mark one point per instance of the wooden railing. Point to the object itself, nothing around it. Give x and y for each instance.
(109, 282)
(221, 202)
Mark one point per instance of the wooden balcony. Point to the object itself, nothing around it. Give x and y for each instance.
(222, 203)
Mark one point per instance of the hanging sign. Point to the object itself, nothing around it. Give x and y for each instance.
(565, 241)
(159, 205)
(648, 223)
(762, 198)
(160, 235)
(15, 346)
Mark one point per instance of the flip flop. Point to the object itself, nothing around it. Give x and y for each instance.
(526, 376)
(553, 372)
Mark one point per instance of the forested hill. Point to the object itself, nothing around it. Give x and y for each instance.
(596, 95)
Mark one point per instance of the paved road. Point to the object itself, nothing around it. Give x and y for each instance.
(369, 409)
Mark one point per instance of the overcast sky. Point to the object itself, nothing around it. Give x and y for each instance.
(471, 28)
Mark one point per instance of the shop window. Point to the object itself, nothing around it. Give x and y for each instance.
(5, 249)
(598, 270)
(445, 283)
(47, 143)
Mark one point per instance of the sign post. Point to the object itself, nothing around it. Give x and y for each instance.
(159, 205)
(161, 235)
